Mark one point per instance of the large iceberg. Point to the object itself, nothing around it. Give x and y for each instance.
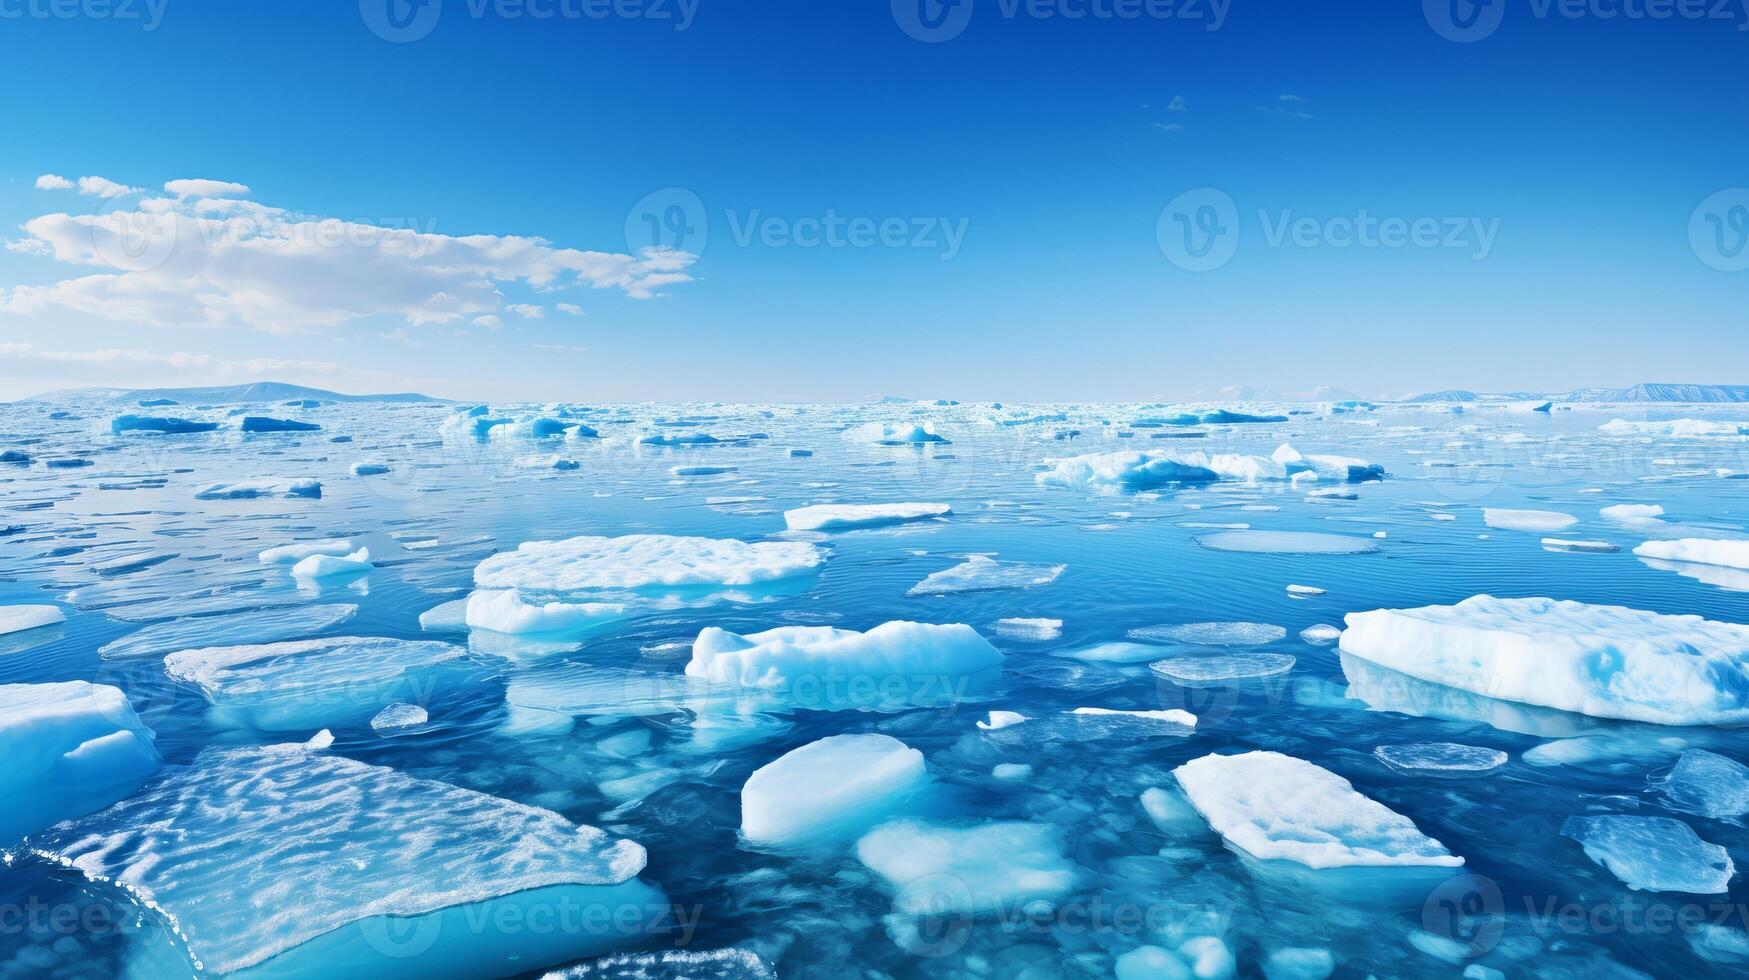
(158, 423)
(840, 517)
(1604, 661)
(70, 748)
(644, 561)
(1725, 552)
(834, 788)
(279, 861)
(1144, 469)
(308, 684)
(1274, 806)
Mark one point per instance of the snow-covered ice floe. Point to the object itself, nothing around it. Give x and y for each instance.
(70, 748)
(1655, 854)
(1603, 661)
(1724, 552)
(1632, 513)
(814, 660)
(330, 566)
(835, 788)
(1527, 520)
(1675, 428)
(841, 517)
(354, 870)
(305, 684)
(291, 554)
(253, 489)
(16, 619)
(643, 562)
(1276, 807)
(1145, 469)
(505, 611)
(897, 434)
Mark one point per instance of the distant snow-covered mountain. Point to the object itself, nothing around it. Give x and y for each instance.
(1655, 392)
(259, 391)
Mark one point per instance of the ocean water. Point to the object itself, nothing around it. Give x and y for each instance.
(123, 544)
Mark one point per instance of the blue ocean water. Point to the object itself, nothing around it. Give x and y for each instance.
(123, 543)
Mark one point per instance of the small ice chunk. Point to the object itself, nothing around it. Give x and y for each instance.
(1658, 854)
(505, 611)
(1212, 634)
(1113, 653)
(1724, 552)
(841, 517)
(158, 423)
(16, 619)
(897, 434)
(1116, 718)
(1304, 590)
(1320, 634)
(781, 657)
(1230, 667)
(262, 423)
(369, 469)
(644, 561)
(671, 964)
(1527, 520)
(1274, 806)
(1151, 963)
(1603, 661)
(997, 720)
(831, 789)
(398, 716)
(1011, 771)
(291, 554)
(70, 748)
(983, 868)
(981, 574)
(1036, 630)
(1286, 543)
(328, 566)
(702, 469)
(296, 861)
(1439, 757)
(1708, 784)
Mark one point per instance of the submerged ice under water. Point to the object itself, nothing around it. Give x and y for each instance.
(899, 689)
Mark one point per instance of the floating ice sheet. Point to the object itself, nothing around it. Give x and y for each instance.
(833, 788)
(1657, 854)
(1287, 543)
(981, 574)
(842, 517)
(260, 626)
(1440, 757)
(70, 748)
(644, 561)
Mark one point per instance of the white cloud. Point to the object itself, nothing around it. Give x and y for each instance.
(564, 348)
(570, 309)
(490, 322)
(1176, 105)
(208, 261)
(206, 188)
(528, 311)
(103, 187)
(53, 182)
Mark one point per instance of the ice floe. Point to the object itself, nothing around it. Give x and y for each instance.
(399, 716)
(304, 684)
(16, 619)
(1212, 634)
(505, 611)
(1227, 667)
(840, 517)
(671, 964)
(1527, 520)
(405, 864)
(1580, 545)
(259, 626)
(159, 424)
(979, 574)
(897, 434)
(1707, 784)
(252, 489)
(1656, 854)
(1439, 757)
(935, 869)
(645, 561)
(1604, 661)
(790, 655)
(1274, 806)
(291, 554)
(835, 788)
(1632, 513)
(1287, 543)
(70, 748)
(1724, 552)
(329, 566)
(1037, 630)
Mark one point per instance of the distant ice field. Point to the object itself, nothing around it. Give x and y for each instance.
(603, 621)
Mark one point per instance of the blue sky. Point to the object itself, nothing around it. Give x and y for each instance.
(1009, 202)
